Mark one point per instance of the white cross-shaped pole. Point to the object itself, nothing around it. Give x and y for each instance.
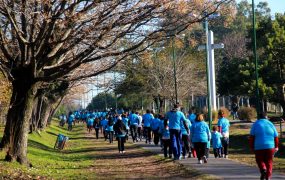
(211, 70)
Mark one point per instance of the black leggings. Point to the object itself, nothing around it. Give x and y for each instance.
(134, 132)
(97, 133)
(225, 143)
(167, 145)
(121, 143)
(111, 136)
(185, 145)
(200, 148)
(140, 133)
(148, 134)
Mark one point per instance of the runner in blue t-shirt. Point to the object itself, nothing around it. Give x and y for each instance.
(104, 123)
(96, 126)
(264, 142)
(125, 120)
(217, 143)
(90, 122)
(70, 120)
(134, 121)
(110, 129)
(192, 115)
(147, 118)
(200, 135)
(223, 125)
(155, 128)
(185, 130)
(176, 118)
(165, 136)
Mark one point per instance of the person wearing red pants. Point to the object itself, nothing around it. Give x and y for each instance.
(264, 142)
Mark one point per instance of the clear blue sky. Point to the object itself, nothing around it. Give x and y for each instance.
(276, 6)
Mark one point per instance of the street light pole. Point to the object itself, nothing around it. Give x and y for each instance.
(174, 71)
(255, 59)
(157, 98)
(208, 75)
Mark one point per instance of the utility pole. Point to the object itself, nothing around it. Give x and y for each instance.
(174, 70)
(256, 60)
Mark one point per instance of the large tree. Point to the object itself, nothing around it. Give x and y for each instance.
(272, 44)
(237, 73)
(43, 41)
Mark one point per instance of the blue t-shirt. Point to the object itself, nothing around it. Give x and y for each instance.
(77, 115)
(155, 124)
(224, 124)
(134, 119)
(175, 118)
(71, 119)
(104, 123)
(200, 132)
(90, 121)
(183, 129)
(216, 139)
(126, 122)
(264, 133)
(165, 134)
(147, 119)
(192, 118)
(110, 127)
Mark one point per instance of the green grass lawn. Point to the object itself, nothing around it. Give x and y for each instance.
(50, 162)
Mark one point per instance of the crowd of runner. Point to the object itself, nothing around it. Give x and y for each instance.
(180, 135)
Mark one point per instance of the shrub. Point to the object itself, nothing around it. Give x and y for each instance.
(214, 115)
(247, 113)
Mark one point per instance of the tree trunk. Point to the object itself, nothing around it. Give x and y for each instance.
(45, 113)
(15, 138)
(161, 101)
(280, 97)
(34, 117)
(58, 103)
(39, 109)
(54, 109)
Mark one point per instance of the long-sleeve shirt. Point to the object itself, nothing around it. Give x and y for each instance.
(134, 119)
(216, 139)
(264, 133)
(200, 132)
(183, 129)
(147, 119)
(155, 124)
(175, 118)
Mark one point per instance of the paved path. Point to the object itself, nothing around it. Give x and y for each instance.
(223, 168)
